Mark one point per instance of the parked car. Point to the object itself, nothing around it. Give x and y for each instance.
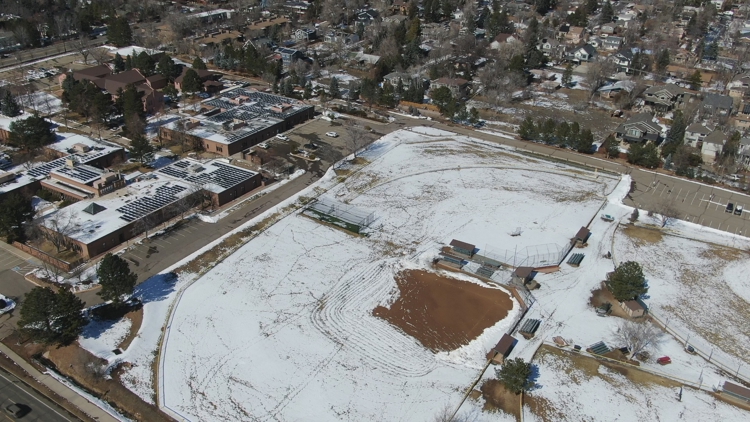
(17, 410)
(730, 207)
(664, 360)
(690, 349)
(738, 210)
(332, 134)
(282, 137)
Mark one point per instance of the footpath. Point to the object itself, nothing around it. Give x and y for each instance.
(87, 407)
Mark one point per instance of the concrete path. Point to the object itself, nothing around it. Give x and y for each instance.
(60, 389)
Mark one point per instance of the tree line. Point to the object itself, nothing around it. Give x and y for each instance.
(552, 132)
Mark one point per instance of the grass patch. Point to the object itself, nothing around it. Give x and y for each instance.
(641, 235)
(727, 254)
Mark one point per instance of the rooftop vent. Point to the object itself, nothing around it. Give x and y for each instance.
(94, 208)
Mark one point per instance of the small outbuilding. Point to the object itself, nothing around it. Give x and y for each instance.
(736, 391)
(463, 247)
(633, 308)
(523, 274)
(582, 236)
(501, 351)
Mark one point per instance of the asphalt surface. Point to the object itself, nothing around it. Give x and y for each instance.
(12, 390)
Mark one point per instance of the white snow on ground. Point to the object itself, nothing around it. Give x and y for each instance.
(700, 288)
(102, 337)
(283, 327)
(42, 102)
(571, 393)
(8, 304)
(97, 402)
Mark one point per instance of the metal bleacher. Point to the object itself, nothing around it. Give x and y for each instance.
(599, 348)
(485, 272)
(575, 259)
(146, 205)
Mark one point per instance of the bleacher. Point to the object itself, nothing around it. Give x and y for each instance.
(575, 259)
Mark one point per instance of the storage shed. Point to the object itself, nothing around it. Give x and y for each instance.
(582, 236)
(501, 351)
(463, 247)
(633, 308)
(736, 391)
(523, 274)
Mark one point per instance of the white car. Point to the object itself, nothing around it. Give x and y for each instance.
(332, 134)
(282, 137)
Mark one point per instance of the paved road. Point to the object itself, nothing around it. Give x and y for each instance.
(12, 390)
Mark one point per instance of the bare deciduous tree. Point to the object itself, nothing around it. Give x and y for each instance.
(357, 136)
(637, 336)
(597, 73)
(58, 227)
(667, 211)
(82, 46)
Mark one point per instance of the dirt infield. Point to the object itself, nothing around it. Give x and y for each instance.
(443, 313)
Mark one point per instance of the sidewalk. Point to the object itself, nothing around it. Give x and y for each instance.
(60, 389)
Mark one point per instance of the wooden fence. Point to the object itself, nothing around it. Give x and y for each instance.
(55, 262)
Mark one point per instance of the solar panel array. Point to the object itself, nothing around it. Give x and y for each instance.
(141, 207)
(224, 175)
(46, 168)
(238, 113)
(84, 174)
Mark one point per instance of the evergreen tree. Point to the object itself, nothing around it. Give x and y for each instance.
(191, 82)
(732, 146)
(544, 6)
(9, 105)
(170, 91)
(591, 6)
(132, 103)
(141, 149)
(443, 98)
(333, 88)
(585, 143)
(675, 134)
(199, 64)
(70, 320)
(50, 317)
(167, 68)
(527, 129)
(612, 146)
(119, 33)
(562, 133)
(15, 210)
(388, 95)
(607, 14)
(695, 80)
(547, 130)
(308, 91)
(567, 76)
(634, 215)
(515, 374)
(628, 282)
(119, 63)
(144, 63)
(116, 278)
(662, 60)
(128, 62)
(578, 18)
(31, 133)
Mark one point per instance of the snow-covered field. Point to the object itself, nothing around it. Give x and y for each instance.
(590, 392)
(283, 328)
(701, 288)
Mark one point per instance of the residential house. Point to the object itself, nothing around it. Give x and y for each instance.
(609, 28)
(584, 53)
(741, 120)
(695, 134)
(289, 55)
(501, 39)
(683, 56)
(305, 34)
(394, 77)
(552, 48)
(665, 97)
(333, 37)
(368, 16)
(611, 90)
(717, 104)
(744, 151)
(612, 43)
(300, 7)
(105, 80)
(395, 19)
(209, 79)
(712, 146)
(575, 35)
(633, 308)
(639, 128)
(623, 60)
(458, 87)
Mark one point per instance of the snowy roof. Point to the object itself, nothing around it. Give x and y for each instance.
(215, 175)
(21, 180)
(66, 143)
(118, 209)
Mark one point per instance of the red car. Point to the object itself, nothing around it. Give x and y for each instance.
(664, 360)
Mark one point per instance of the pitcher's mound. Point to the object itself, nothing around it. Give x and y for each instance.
(444, 313)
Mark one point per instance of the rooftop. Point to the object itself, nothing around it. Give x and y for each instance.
(119, 208)
(79, 173)
(214, 176)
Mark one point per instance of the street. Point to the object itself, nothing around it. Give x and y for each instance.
(12, 390)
